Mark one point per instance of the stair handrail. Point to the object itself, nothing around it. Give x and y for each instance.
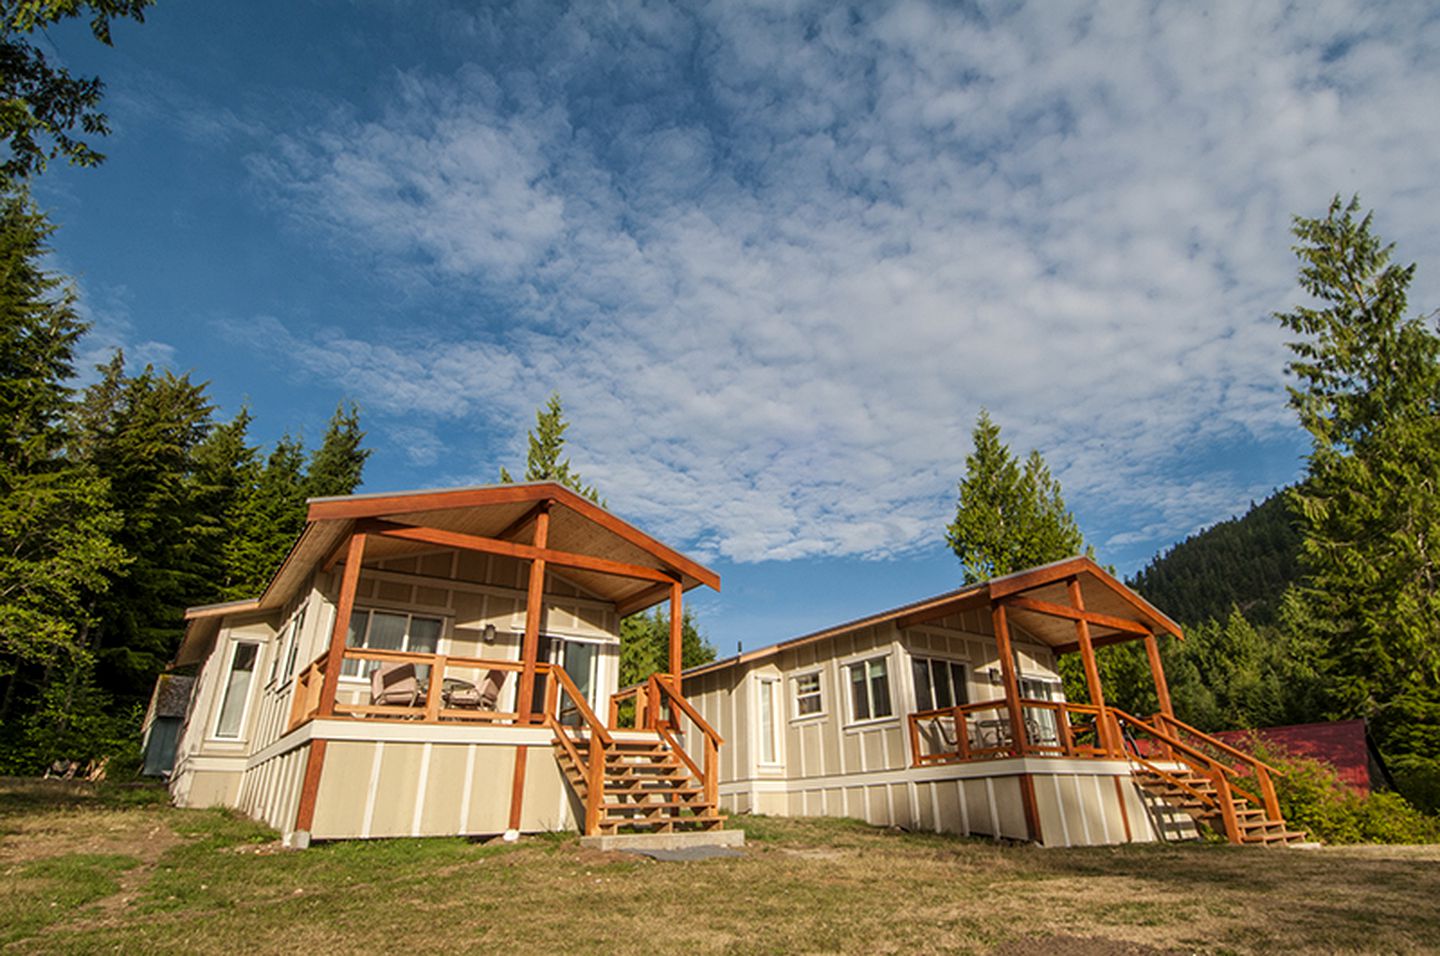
(1264, 773)
(593, 723)
(710, 778)
(1208, 764)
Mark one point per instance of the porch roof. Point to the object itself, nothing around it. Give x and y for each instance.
(1036, 601)
(496, 513)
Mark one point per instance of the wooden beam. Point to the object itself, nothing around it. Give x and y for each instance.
(517, 787)
(1038, 577)
(934, 611)
(1031, 808)
(534, 608)
(647, 598)
(526, 552)
(1012, 683)
(1092, 671)
(1095, 642)
(367, 506)
(310, 786)
(529, 516)
(354, 557)
(1126, 625)
(677, 626)
(1157, 671)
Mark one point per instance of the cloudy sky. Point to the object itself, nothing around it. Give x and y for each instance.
(775, 258)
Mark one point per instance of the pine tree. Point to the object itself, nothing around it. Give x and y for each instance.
(56, 527)
(1367, 389)
(1008, 518)
(269, 518)
(645, 645)
(225, 471)
(543, 461)
(336, 468)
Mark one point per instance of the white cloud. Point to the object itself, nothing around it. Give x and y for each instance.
(776, 261)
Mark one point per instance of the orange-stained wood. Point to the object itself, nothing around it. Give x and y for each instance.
(530, 514)
(1021, 603)
(1012, 683)
(354, 557)
(517, 787)
(1092, 671)
(1124, 811)
(376, 506)
(1026, 580)
(1032, 809)
(934, 610)
(645, 599)
(534, 608)
(677, 625)
(310, 786)
(1157, 671)
(1095, 642)
(511, 549)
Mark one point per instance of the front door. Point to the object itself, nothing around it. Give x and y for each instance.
(579, 660)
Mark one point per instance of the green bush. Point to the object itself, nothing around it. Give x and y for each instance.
(1312, 798)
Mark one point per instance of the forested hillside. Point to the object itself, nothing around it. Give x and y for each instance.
(1246, 562)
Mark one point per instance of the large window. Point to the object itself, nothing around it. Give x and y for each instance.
(286, 654)
(769, 704)
(808, 701)
(869, 689)
(391, 631)
(938, 683)
(235, 697)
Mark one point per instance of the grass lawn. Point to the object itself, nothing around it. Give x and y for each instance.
(116, 870)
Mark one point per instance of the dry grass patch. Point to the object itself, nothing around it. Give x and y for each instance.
(802, 886)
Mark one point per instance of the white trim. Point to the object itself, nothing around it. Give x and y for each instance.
(848, 719)
(994, 809)
(976, 770)
(794, 710)
(242, 734)
(445, 617)
(374, 788)
(467, 790)
(421, 785)
(777, 744)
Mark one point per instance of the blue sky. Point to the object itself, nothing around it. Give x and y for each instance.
(774, 257)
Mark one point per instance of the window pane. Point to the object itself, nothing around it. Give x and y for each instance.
(944, 696)
(355, 637)
(924, 696)
(859, 698)
(424, 635)
(387, 631)
(237, 688)
(962, 691)
(879, 689)
(807, 695)
(294, 648)
(767, 721)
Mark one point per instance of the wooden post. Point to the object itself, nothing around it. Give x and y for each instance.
(1157, 670)
(534, 608)
(677, 623)
(1092, 672)
(594, 785)
(335, 659)
(433, 700)
(310, 788)
(1012, 683)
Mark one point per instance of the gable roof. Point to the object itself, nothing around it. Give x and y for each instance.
(1046, 584)
(497, 512)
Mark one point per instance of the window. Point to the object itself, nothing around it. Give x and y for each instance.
(938, 683)
(236, 695)
(869, 689)
(769, 725)
(391, 631)
(808, 701)
(290, 649)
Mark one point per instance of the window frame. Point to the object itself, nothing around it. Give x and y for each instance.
(865, 661)
(818, 694)
(369, 612)
(951, 663)
(776, 686)
(235, 644)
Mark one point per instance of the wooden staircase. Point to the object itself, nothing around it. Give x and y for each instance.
(1196, 796)
(646, 786)
(1205, 778)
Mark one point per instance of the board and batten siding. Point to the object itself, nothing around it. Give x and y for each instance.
(831, 765)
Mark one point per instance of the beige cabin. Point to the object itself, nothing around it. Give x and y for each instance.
(949, 715)
(432, 663)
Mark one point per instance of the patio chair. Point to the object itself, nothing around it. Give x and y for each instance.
(393, 685)
(484, 697)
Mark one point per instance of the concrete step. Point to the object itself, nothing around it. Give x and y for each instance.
(679, 840)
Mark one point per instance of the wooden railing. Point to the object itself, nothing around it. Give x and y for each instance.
(983, 731)
(305, 703)
(597, 741)
(1219, 751)
(662, 694)
(636, 715)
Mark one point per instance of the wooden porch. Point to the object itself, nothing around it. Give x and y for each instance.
(640, 779)
(1214, 783)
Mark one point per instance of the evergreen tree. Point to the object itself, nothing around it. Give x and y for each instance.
(544, 461)
(1367, 389)
(268, 519)
(1008, 518)
(645, 645)
(225, 471)
(337, 466)
(56, 527)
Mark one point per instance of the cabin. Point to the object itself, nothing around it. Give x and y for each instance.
(949, 715)
(433, 662)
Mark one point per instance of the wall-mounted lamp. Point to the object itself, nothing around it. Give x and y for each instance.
(489, 634)
(993, 673)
